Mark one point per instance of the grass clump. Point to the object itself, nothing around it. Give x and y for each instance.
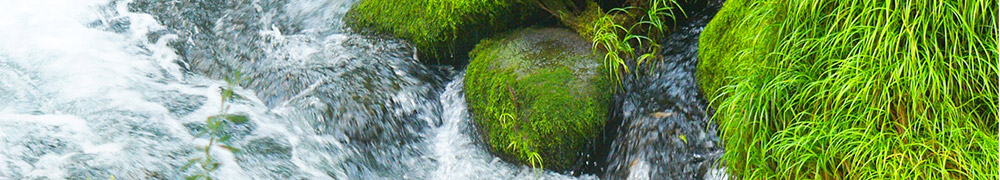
(631, 33)
(537, 96)
(443, 31)
(854, 89)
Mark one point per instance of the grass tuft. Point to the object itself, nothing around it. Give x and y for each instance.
(632, 34)
(855, 89)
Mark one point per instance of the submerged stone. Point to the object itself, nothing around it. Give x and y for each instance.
(538, 95)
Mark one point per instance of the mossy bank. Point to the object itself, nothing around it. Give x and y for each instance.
(443, 31)
(854, 89)
(537, 95)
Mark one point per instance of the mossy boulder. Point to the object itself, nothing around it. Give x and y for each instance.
(537, 95)
(720, 45)
(443, 31)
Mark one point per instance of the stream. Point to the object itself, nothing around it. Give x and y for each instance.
(101, 88)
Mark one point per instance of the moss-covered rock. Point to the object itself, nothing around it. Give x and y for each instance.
(537, 94)
(720, 45)
(443, 31)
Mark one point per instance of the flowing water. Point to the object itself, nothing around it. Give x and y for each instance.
(662, 127)
(100, 88)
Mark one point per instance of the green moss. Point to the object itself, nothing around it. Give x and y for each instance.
(442, 30)
(854, 89)
(584, 23)
(537, 95)
(718, 46)
(730, 43)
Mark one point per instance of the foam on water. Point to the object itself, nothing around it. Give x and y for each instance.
(88, 95)
(95, 88)
(460, 156)
(74, 95)
(91, 89)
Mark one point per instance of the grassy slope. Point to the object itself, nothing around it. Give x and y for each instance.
(855, 88)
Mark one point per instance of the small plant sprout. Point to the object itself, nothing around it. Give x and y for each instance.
(213, 131)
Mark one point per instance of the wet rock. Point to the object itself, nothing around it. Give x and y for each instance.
(717, 43)
(662, 129)
(538, 93)
(179, 104)
(270, 155)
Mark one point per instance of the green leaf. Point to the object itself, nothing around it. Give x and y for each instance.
(645, 57)
(193, 177)
(212, 125)
(235, 118)
(214, 166)
(227, 93)
(230, 148)
(237, 76)
(212, 118)
(224, 138)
